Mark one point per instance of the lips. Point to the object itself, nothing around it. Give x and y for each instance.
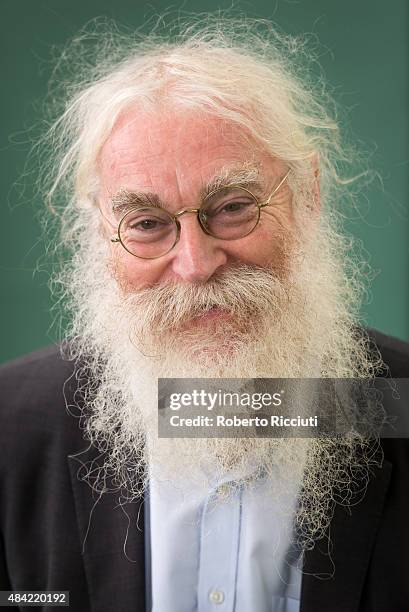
(215, 313)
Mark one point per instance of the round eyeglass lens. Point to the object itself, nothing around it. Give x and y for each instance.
(148, 232)
(230, 213)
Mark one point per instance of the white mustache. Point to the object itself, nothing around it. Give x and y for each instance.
(242, 290)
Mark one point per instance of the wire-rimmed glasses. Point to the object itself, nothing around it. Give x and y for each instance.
(228, 213)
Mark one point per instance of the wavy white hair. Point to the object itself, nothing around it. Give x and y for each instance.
(241, 70)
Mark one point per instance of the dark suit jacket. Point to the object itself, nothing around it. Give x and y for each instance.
(57, 534)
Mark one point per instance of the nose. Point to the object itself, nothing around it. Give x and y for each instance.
(197, 256)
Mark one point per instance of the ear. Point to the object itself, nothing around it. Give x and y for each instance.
(316, 192)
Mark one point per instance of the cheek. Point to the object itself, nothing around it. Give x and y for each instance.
(271, 246)
(131, 273)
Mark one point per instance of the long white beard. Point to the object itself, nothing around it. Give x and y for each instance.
(298, 327)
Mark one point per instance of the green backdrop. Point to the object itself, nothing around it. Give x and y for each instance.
(365, 58)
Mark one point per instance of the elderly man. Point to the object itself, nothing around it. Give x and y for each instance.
(199, 185)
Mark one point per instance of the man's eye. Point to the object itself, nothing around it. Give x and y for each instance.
(233, 207)
(145, 225)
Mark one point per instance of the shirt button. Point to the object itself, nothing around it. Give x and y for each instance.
(216, 596)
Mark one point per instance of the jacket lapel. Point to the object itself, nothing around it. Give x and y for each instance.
(335, 570)
(112, 542)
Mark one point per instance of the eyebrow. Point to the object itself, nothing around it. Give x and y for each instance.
(126, 200)
(247, 177)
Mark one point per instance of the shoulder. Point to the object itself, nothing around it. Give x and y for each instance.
(44, 364)
(36, 395)
(34, 378)
(394, 353)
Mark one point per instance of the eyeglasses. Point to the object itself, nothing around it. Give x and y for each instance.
(229, 213)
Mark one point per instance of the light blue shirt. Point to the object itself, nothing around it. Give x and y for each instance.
(230, 555)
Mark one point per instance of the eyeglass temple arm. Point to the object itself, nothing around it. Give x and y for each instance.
(115, 237)
(267, 202)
